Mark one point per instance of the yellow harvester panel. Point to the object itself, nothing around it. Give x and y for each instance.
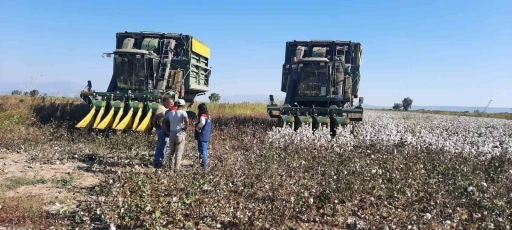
(200, 48)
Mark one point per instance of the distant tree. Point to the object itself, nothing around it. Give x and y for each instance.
(16, 92)
(25, 93)
(407, 103)
(397, 106)
(34, 93)
(214, 97)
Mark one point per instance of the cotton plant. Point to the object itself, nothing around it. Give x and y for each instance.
(454, 134)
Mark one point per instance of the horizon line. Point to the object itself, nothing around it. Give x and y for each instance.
(76, 95)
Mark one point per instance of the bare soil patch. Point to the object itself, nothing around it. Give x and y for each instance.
(29, 191)
(19, 165)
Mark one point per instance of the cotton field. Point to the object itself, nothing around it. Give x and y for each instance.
(259, 177)
(474, 135)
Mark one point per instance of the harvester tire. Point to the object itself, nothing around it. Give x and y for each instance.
(332, 127)
(315, 125)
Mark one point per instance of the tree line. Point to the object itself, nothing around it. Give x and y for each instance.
(32, 93)
(405, 105)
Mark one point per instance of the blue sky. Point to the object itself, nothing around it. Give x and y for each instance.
(436, 52)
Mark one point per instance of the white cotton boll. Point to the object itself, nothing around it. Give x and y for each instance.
(418, 131)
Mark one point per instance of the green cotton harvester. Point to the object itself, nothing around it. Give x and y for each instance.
(321, 81)
(147, 66)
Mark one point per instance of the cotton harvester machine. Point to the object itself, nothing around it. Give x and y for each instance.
(321, 80)
(147, 67)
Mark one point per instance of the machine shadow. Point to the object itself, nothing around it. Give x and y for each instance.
(62, 114)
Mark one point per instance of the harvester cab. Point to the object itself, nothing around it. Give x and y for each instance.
(321, 80)
(147, 67)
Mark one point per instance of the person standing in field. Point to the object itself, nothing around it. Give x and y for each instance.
(202, 133)
(178, 123)
(162, 144)
(172, 107)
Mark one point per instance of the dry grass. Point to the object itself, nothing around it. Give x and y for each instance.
(253, 185)
(238, 109)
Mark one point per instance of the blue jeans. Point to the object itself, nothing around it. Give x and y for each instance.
(162, 147)
(202, 148)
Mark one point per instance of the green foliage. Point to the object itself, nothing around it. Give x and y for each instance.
(397, 106)
(407, 103)
(34, 93)
(214, 97)
(16, 92)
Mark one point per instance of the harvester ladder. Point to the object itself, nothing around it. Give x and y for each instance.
(165, 59)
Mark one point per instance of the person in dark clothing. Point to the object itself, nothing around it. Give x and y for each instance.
(202, 133)
(163, 141)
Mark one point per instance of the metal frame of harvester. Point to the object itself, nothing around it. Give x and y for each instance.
(147, 67)
(320, 79)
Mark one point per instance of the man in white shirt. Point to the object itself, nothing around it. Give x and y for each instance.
(178, 123)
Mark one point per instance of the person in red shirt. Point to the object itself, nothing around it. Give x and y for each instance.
(202, 133)
(173, 108)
